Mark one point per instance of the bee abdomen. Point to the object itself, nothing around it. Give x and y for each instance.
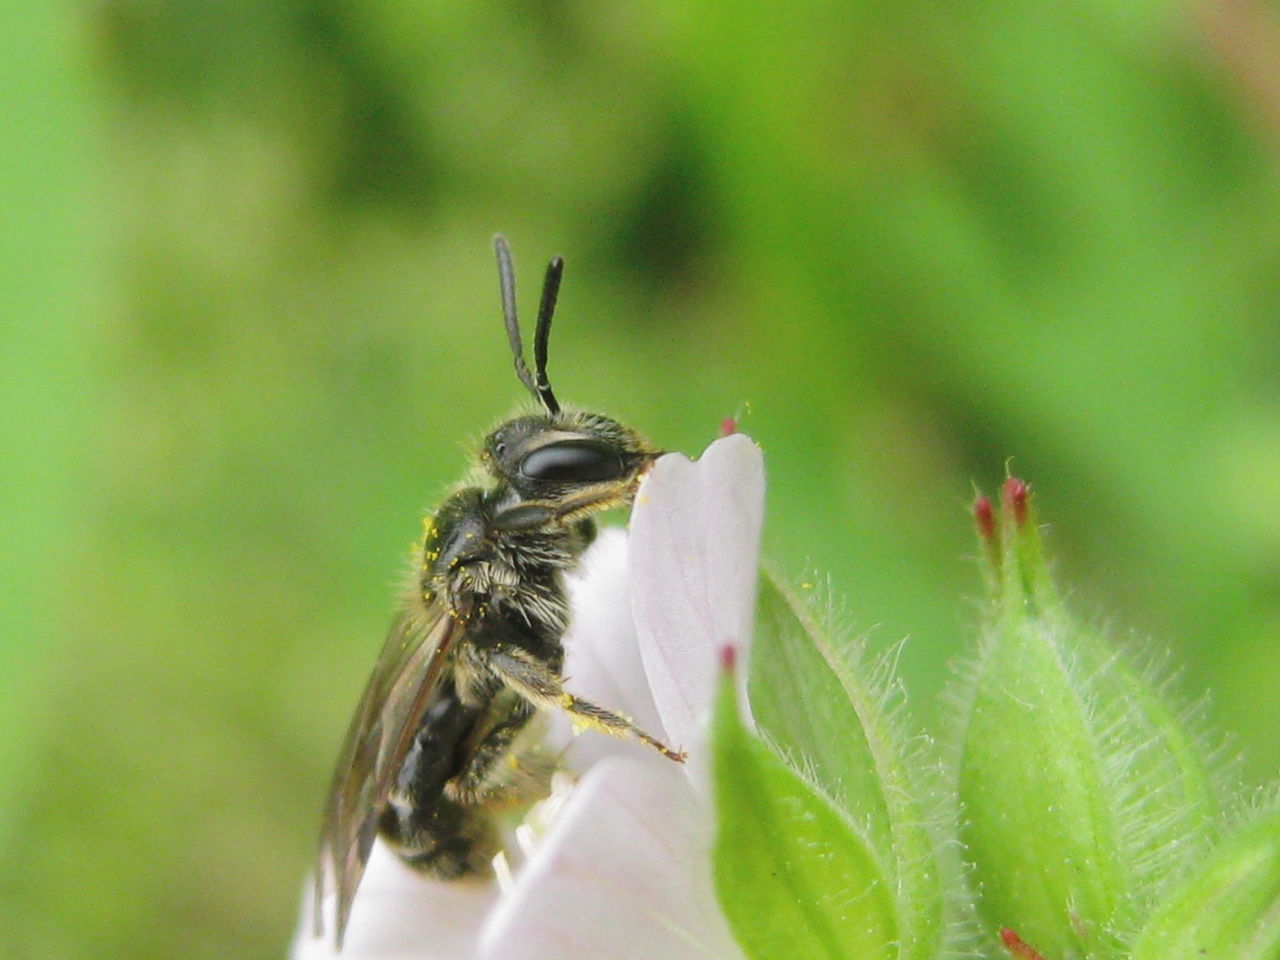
(446, 840)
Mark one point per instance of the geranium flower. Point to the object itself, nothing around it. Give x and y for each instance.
(618, 863)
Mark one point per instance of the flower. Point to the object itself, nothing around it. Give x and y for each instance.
(622, 869)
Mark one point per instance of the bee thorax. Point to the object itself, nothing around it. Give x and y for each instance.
(545, 610)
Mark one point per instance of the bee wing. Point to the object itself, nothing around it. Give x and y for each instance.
(399, 690)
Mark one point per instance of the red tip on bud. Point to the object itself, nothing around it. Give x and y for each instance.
(985, 518)
(1016, 946)
(728, 426)
(728, 658)
(1015, 495)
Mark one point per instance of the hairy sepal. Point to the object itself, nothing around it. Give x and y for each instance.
(836, 718)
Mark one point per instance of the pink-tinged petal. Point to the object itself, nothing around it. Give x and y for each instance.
(624, 873)
(602, 654)
(401, 915)
(695, 543)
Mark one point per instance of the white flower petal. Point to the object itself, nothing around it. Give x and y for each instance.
(694, 544)
(625, 870)
(624, 874)
(602, 654)
(399, 914)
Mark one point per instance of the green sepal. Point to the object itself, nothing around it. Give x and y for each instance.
(793, 878)
(1037, 827)
(832, 717)
(1228, 907)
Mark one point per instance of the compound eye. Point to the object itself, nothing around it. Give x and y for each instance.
(573, 461)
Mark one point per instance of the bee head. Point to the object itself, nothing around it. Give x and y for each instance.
(572, 459)
(560, 463)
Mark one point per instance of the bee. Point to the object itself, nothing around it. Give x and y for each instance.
(476, 648)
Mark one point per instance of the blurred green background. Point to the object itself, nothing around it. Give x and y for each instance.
(251, 324)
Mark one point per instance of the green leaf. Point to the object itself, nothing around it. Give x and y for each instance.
(52, 294)
(1230, 907)
(831, 717)
(793, 878)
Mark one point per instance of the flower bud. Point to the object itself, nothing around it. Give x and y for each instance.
(1080, 790)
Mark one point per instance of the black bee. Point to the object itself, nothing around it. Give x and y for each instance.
(477, 648)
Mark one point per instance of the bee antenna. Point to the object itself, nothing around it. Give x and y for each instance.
(507, 282)
(542, 333)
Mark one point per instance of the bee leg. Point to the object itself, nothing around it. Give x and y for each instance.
(540, 685)
(485, 778)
